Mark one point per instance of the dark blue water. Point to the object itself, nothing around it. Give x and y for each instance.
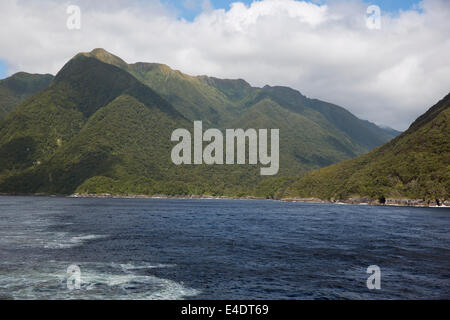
(220, 249)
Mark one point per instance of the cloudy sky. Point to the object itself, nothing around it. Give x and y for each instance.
(323, 48)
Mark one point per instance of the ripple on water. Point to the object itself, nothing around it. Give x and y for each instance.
(97, 281)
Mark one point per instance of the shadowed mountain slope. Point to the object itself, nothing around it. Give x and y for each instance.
(15, 89)
(415, 165)
(103, 125)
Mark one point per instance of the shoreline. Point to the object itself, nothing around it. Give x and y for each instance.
(351, 201)
(160, 196)
(370, 202)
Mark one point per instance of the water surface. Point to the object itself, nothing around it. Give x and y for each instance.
(220, 249)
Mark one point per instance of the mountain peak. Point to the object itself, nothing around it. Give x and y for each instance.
(147, 66)
(26, 76)
(105, 56)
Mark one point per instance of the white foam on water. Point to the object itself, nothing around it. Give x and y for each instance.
(63, 240)
(33, 233)
(98, 281)
(129, 266)
(49, 240)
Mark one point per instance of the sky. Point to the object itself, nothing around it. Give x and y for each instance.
(326, 49)
(3, 69)
(189, 9)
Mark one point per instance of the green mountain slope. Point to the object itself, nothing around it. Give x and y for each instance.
(15, 89)
(32, 134)
(53, 116)
(104, 126)
(122, 141)
(225, 103)
(304, 144)
(98, 129)
(220, 102)
(415, 165)
(129, 153)
(191, 96)
(329, 116)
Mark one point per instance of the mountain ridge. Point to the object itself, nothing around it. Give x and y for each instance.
(415, 165)
(223, 85)
(18, 87)
(58, 141)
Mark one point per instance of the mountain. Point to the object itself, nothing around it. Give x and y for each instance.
(221, 101)
(191, 96)
(15, 89)
(391, 131)
(335, 133)
(415, 165)
(98, 129)
(48, 144)
(104, 126)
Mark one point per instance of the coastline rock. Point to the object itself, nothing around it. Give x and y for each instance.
(312, 200)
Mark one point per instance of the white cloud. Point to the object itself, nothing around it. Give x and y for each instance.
(389, 76)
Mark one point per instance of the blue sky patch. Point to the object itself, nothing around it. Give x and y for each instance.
(189, 9)
(2, 69)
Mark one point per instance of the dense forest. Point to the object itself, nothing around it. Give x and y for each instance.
(104, 126)
(415, 165)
